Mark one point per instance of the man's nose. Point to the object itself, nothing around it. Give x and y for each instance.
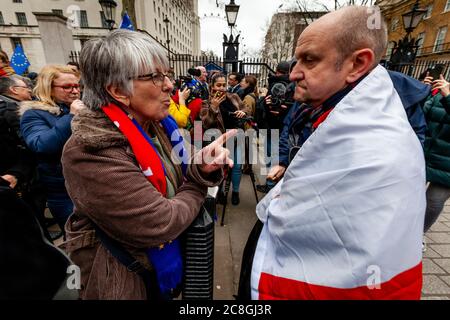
(296, 74)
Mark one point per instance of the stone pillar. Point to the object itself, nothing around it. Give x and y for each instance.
(56, 36)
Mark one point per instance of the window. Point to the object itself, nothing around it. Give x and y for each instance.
(16, 42)
(156, 25)
(58, 11)
(160, 28)
(17, 1)
(394, 24)
(21, 18)
(440, 38)
(103, 19)
(429, 11)
(1, 18)
(447, 6)
(83, 19)
(420, 41)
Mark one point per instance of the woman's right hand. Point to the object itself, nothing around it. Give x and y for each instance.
(216, 101)
(214, 156)
(76, 107)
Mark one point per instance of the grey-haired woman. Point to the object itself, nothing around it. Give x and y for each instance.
(124, 181)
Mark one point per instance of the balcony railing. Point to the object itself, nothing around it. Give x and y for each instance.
(442, 48)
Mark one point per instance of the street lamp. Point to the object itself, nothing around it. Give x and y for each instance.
(231, 44)
(109, 10)
(167, 21)
(404, 52)
(412, 18)
(232, 11)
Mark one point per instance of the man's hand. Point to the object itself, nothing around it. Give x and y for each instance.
(268, 100)
(11, 179)
(442, 85)
(276, 173)
(76, 107)
(215, 156)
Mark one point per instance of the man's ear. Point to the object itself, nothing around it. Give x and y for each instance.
(118, 94)
(363, 61)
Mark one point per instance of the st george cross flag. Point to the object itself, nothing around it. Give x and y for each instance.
(126, 22)
(346, 222)
(19, 61)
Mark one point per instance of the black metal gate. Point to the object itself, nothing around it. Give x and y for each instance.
(180, 63)
(260, 68)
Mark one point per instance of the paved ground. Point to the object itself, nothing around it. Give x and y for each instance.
(436, 262)
(230, 241)
(239, 220)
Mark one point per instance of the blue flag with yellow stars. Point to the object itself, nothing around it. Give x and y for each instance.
(19, 61)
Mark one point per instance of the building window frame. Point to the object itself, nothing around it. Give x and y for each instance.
(16, 41)
(394, 23)
(440, 39)
(447, 6)
(2, 20)
(21, 18)
(83, 18)
(429, 13)
(103, 20)
(420, 42)
(58, 11)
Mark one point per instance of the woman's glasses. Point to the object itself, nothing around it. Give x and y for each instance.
(69, 87)
(157, 77)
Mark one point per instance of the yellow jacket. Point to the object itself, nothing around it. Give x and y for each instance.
(180, 113)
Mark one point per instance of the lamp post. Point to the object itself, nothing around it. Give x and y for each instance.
(231, 10)
(404, 52)
(109, 11)
(231, 44)
(167, 21)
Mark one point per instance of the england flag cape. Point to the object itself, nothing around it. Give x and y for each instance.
(346, 222)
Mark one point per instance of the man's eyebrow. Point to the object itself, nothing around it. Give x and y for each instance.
(308, 53)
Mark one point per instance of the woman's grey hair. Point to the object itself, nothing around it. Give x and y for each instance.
(116, 60)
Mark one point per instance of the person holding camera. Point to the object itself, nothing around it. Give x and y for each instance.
(178, 109)
(437, 144)
(224, 111)
(276, 105)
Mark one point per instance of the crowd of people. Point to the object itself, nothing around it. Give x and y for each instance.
(94, 144)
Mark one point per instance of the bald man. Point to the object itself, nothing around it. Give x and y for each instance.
(346, 221)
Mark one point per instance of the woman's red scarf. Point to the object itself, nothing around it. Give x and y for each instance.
(166, 260)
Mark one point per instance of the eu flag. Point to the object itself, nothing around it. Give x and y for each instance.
(19, 61)
(126, 22)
